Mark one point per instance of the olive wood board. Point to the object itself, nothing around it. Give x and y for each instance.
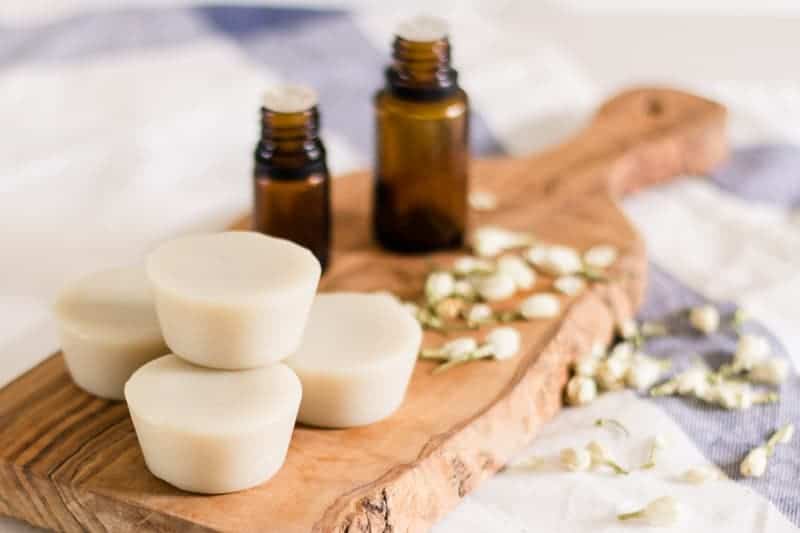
(70, 461)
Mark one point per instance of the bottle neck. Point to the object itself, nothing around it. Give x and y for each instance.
(421, 70)
(290, 142)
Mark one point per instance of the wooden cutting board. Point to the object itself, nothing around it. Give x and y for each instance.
(70, 461)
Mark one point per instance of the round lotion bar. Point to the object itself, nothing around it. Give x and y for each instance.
(108, 328)
(212, 431)
(356, 359)
(233, 300)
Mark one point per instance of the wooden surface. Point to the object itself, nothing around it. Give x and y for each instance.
(69, 461)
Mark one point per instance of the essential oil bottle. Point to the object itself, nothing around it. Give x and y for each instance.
(422, 134)
(291, 180)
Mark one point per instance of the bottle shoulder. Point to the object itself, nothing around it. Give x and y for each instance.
(450, 106)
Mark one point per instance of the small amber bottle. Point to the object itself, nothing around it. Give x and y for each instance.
(291, 181)
(422, 135)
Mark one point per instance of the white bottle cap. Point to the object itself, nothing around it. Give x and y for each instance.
(422, 29)
(288, 98)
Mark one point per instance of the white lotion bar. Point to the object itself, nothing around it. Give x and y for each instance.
(108, 328)
(356, 359)
(233, 300)
(213, 431)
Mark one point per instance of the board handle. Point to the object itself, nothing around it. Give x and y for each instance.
(639, 138)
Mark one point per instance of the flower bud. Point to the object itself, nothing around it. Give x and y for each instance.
(524, 277)
(544, 305)
(772, 371)
(704, 318)
(581, 390)
(438, 286)
(497, 287)
(751, 350)
(504, 342)
(755, 463)
(569, 285)
(576, 460)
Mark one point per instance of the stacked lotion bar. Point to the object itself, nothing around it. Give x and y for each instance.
(217, 414)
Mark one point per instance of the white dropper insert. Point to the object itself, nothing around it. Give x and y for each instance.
(289, 98)
(212, 431)
(422, 29)
(108, 328)
(356, 358)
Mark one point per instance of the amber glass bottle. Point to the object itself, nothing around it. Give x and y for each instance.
(422, 144)
(291, 181)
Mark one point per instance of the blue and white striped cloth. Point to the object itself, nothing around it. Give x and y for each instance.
(124, 126)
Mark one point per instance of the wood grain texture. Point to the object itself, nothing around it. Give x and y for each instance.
(70, 462)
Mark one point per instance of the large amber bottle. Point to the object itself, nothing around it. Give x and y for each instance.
(291, 196)
(422, 136)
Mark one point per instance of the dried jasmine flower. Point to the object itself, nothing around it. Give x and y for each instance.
(449, 308)
(524, 277)
(438, 286)
(543, 305)
(612, 422)
(750, 351)
(569, 285)
(479, 314)
(601, 457)
(467, 265)
(500, 343)
(489, 241)
(503, 342)
(658, 444)
(497, 286)
(556, 260)
(773, 371)
(644, 372)
(482, 200)
(612, 371)
(661, 512)
(575, 459)
(456, 349)
(464, 289)
(529, 463)
(600, 256)
(755, 462)
(700, 474)
(586, 365)
(581, 390)
(704, 318)
(628, 329)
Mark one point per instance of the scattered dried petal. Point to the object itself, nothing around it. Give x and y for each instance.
(600, 256)
(576, 460)
(496, 287)
(704, 318)
(581, 390)
(542, 305)
(524, 277)
(661, 512)
(569, 285)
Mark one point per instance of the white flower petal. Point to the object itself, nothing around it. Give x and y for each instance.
(524, 277)
(600, 256)
(704, 318)
(503, 342)
(544, 305)
(581, 390)
(569, 285)
(496, 287)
